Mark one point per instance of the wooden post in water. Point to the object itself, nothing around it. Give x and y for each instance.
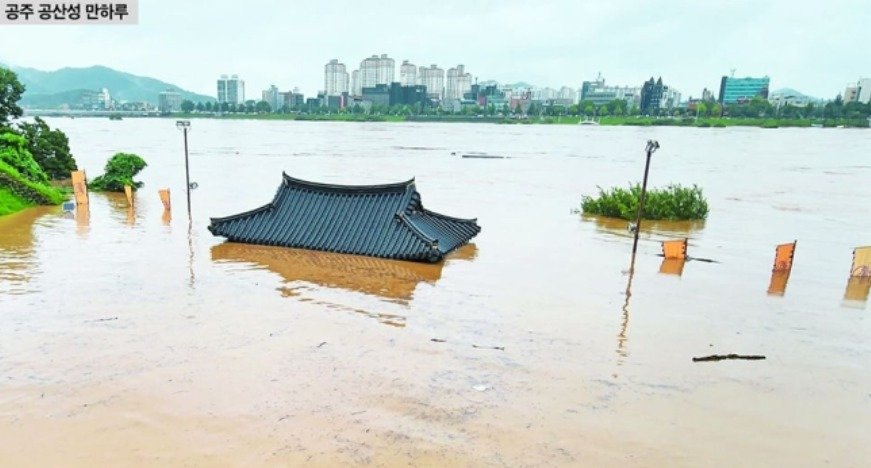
(652, 146)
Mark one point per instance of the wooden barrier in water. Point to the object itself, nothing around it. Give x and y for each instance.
(676, 249)
(783, 256)
(128, 191)
(80, 187)
(861, 262)
(165, 199)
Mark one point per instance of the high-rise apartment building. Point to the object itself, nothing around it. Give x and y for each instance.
(459, 82)
(231, 89)
(433, 78)
(407, 74)
(335, 78)
(736, 90)
(272, 97)
(376, 70)
(356, 85)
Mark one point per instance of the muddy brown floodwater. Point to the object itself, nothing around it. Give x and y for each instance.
(129, 339)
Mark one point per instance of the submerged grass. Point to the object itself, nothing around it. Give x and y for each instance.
(15, 191)
(674, 202)
(11, 203)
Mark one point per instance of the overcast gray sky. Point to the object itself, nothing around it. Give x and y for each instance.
(813, 46)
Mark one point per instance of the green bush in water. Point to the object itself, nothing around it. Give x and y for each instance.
(671, 203)
(120, 170)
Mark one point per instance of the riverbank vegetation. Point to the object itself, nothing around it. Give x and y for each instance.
(673, 203)
(32, 155)
(757, 112)
(22, 181)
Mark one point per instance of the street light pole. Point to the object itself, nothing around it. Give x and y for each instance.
(652, 146)
(184, 125)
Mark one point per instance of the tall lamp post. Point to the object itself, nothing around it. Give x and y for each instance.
(184, 126)
(652, 146)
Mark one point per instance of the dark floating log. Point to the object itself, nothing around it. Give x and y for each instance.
(497, 348)
(722, 357)
(485, 156)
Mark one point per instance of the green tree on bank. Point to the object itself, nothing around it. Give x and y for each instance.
(10, 93)
(187, 106)
(31, 154)
(50, 148)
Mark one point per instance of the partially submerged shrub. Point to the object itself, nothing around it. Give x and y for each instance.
(120, 170)
(672, 203)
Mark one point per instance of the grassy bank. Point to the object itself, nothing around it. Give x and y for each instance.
(706, 122)
(18, 193)
(11, 203)
(315, 117)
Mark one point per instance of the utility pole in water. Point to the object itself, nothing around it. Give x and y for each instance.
(184, 125)
(652, 146)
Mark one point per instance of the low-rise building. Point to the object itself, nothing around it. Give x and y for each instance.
(169, 101)
(599, 93)
(737, 90)
(858, 92)
(407, 94)
(377, 95)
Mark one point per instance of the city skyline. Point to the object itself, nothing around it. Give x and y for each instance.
(690, 45)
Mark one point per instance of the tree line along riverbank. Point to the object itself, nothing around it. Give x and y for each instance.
(709, 122)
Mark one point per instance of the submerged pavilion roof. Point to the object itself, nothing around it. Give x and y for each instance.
(386, 221)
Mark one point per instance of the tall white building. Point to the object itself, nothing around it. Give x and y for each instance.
(356, 84)
(670, 98)
(231, 89)
(376, 70)
(386, 69)
(407, 74)
(566, 93)
(433, 78)
(271, 96)
(335, 78)
(459, 82)
(543, 94)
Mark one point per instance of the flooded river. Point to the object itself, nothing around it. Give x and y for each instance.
(128, 338)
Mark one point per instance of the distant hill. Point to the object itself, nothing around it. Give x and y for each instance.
(55, 88)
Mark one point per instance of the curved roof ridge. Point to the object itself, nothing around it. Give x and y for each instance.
(415, 230)
(462, 220)
(396, 186)
(242, 214)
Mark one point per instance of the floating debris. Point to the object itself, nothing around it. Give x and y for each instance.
(722, 357)
(484, 156)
